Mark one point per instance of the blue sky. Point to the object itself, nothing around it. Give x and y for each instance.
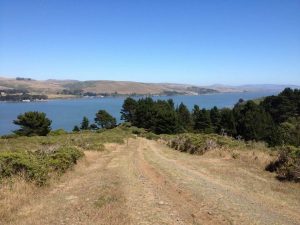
(187, 41)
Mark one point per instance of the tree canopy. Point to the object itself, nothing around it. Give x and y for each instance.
(85, 124)
(105, 120)
(275, 120)
(33, 123)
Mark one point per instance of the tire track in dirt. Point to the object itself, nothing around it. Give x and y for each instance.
(238, 206)
(190, 209)
(140, 183)
(145, 205)
(90, 194)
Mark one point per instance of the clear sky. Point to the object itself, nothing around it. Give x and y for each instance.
(182, 41)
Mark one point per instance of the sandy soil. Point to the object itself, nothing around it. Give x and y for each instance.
(145, 182)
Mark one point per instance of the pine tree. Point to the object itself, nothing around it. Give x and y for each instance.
(76, 129)
(201, 119)
(184, 117)
(227, 122)
(215, 117)
(85, 124)
(128, 110)
(105, 120)
(33, 123)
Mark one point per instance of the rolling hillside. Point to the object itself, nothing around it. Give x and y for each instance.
(53, 87)
(71, 88)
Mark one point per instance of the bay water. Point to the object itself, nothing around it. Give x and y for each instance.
(67, 113)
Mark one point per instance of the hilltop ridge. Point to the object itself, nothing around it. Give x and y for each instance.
(54, 88)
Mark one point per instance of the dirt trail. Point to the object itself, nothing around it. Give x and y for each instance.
(144, 182)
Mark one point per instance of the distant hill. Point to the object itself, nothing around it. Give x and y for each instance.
(61, 88)
(252, 87)
(72, 88)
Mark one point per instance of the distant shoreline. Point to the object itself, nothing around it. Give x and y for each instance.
(70, 89)
(68, 97)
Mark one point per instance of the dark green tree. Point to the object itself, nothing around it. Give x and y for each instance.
(253, 122)
(128, 110)
(165, 118)
(201, 120)
(93, 126)
(145, 114)
(171, 103)
(156, 116)
(215, 117)
(290, 132)
(105, 120)
(283, 106)
(184, 117)
(227, 122)
(33, 123)
(85, 124)
(76, 128)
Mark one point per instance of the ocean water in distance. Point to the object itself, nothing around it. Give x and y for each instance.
(69, 112)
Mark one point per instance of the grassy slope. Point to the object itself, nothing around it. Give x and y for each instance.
(118, 165)
(51, 87)
(41, 159)
(82, 140)
(146, 182)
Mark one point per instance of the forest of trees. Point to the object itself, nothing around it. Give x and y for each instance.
(103, 120)
(17, 95)
(19, 98)
(275, 120)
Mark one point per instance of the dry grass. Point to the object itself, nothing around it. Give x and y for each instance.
(254, 157)
(212, 145)
(89, 194)
(145, 182)
(86, 140)
(14, 193)
(99, 86)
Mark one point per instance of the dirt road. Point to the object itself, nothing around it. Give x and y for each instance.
(145, 182)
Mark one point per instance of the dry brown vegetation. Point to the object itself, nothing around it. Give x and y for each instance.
(14, 193)
(145, 182)
(51, 87)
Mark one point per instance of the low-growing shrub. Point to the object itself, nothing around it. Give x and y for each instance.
(126, 125)
(25, 164)
(37, 157)
(63, 159)
(150, 136)
(200, 143)
(137, 131)
(58, 132)
(37, 166)
(287, 164)
(9, 136)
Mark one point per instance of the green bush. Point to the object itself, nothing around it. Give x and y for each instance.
(137, 131)
(37, 158)
(200, 143)
(143, 133)
(150, 136)
(63, 159)
(58, 132)
(24, 164)
(37, 166)
(9, 136)
(126, 124)
(287, 165)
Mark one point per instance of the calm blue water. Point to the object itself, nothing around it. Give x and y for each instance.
(67, 113)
